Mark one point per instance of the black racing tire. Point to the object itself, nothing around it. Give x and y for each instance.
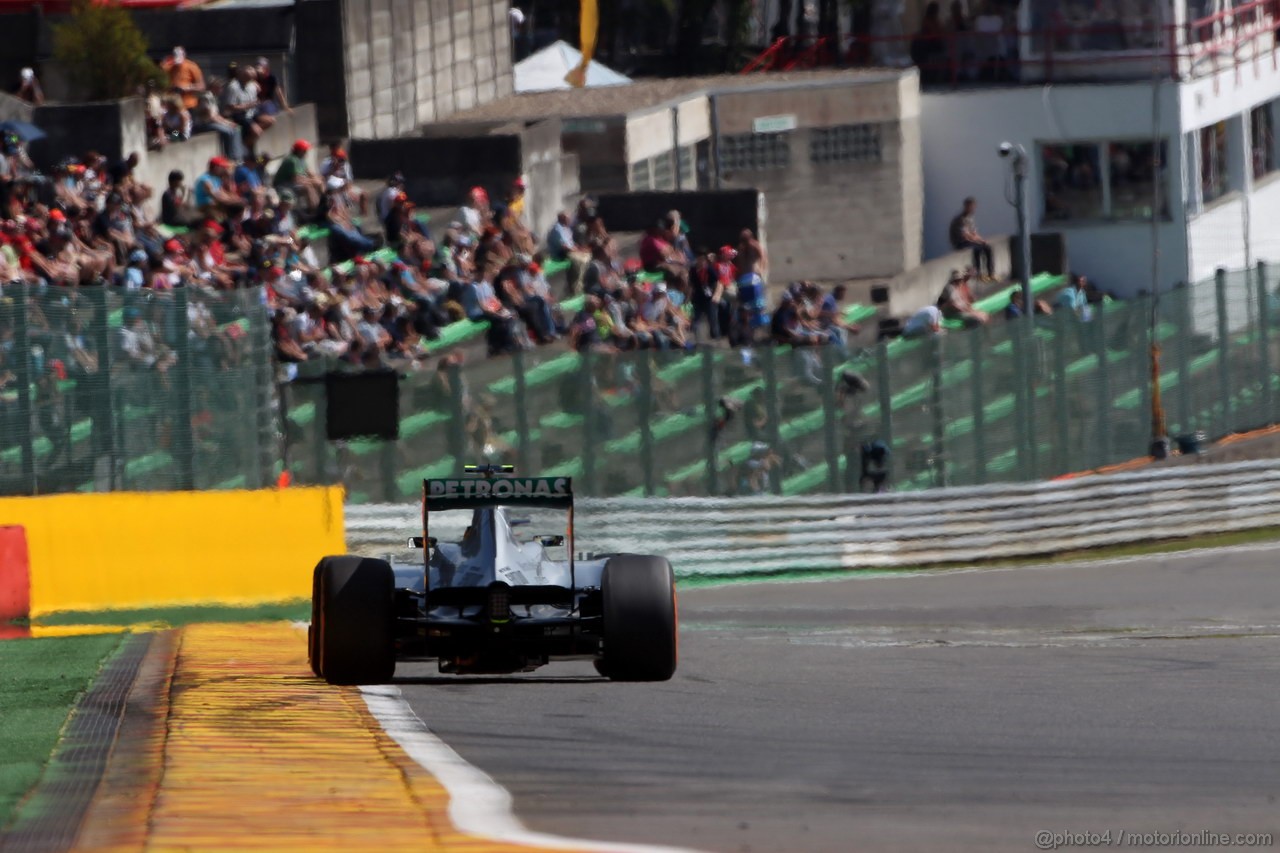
(356, 640)
(313, 630)
(639, 616)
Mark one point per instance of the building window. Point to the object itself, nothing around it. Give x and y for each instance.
(749, 152)
(847, 143)
(640, 176)
(688, 166)
(1136, 172)
(1214, 178)
(1117, 180)
(1072, 176)
(663, 176)
(1262, 140)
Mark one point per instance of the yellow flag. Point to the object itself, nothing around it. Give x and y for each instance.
(590, 21)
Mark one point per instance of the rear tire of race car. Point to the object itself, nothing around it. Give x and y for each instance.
(356, 641)
(639, 615)
(313, 630)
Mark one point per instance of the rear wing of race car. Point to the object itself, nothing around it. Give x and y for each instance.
(493, 486)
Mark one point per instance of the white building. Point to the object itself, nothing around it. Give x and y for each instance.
(1150, 106)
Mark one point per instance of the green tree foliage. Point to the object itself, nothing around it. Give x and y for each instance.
(103, 51)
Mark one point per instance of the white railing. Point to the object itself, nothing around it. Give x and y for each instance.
(759, 535)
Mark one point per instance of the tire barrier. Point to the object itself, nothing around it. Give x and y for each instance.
(763, 535)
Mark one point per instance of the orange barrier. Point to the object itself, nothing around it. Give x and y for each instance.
(15, 575)
(160, 549)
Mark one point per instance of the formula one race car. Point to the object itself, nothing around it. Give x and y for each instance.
(495, 600)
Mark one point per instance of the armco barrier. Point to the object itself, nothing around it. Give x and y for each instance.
(709, 536)
(149, 549)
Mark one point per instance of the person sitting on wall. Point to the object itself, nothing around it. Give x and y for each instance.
(963, 234)
(186, 79)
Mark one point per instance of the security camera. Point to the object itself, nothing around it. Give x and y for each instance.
(1006, 148)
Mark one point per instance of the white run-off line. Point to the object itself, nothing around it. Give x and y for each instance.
(477, 804)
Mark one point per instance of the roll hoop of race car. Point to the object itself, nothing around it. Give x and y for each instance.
(493, 602)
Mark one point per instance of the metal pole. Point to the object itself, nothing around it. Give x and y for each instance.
(588, 422)
(1062, 410)
(1186, 328)
(1020, 166)
(1104, 388)
(976, 358)
(184, 442)
(644, 411)
(522, 411)
(458, 426)
(709, 407)
(885, 394)
(771, 407)
(22, 374)
(104, 425)
(939, 424)
(1264, 344)
(1224, 352)
(830, 426)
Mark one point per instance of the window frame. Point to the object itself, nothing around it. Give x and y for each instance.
(1102, 153)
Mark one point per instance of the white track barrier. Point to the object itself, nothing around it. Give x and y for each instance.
(760, 535)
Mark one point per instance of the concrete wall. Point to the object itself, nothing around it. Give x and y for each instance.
(411, 62)
(600, 144)
(920, 286)
(190, 157)
(961, 133)
(111, 128)
(542, 166)
(835, 220)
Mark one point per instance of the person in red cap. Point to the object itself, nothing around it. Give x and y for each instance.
(213, 191)
(338, 165)
(296, 176)
(475, 212)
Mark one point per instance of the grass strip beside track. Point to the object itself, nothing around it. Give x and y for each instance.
(40, 681)
(174, 617)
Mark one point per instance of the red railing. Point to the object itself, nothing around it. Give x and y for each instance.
(1129, 52)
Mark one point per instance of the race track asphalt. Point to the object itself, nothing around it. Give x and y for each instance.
(961, 710)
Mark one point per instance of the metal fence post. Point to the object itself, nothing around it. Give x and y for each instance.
(1061, 409)
(769, 359)
(1142, 369)
(1264, 344)
(1186, 329)
(710, 410)
(977, 356)
(939, 425)
(884, 392)
(22, 375)
(1224, 353)
(458, 418)
(830, 427)
(1021, 402)
(104, 425)
(644, 411)
(1104, 388)
(184, 442)
(522, 412)
(260, 340)
(589, 422)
